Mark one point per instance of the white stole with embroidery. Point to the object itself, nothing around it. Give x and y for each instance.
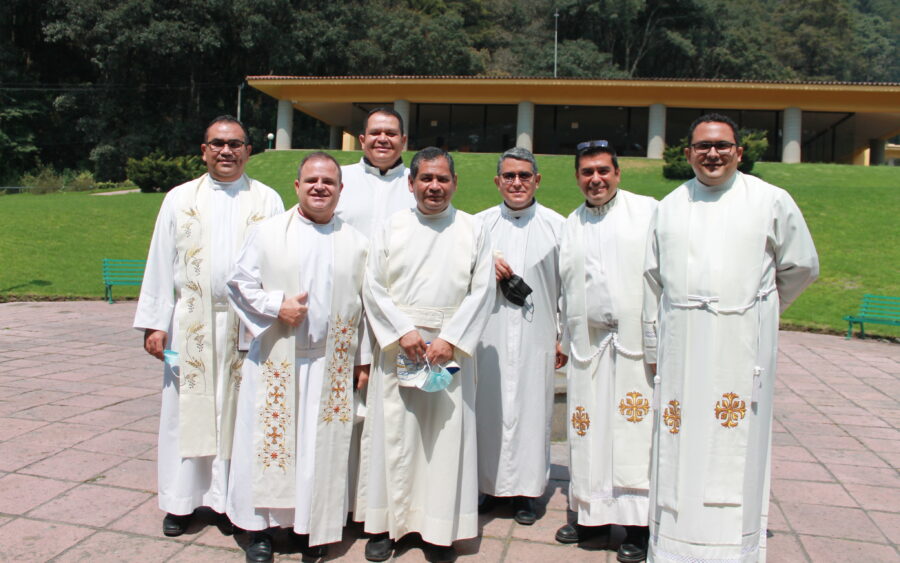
(274, 480)
(194, 316)
(729, 296)
(632, 420)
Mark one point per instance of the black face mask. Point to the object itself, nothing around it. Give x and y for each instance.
(515, 290)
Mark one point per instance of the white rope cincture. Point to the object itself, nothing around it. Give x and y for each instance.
(613, 338)
(706, 302)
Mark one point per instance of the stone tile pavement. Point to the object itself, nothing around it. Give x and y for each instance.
(79, 412)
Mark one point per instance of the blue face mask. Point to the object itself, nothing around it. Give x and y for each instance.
(439, 377)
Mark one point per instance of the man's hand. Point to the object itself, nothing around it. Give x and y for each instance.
(155, 342)
(561, 359)
(413, 345)
(439, 352)
(361, 376)
(652, 368)
(293, 310)
(502, 268)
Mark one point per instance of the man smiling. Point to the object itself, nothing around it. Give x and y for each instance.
(296, 286)
(518, 353)
(726, 254)
(609, 384)
(376, 186)
(183, 310)
(429, 290)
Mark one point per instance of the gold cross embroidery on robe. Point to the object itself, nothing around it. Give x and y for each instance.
(634, 407)
(730, 410)
(581, 421)
(275, 418)
(340, 373)
(672, 416)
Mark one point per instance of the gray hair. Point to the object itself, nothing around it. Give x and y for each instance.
(429, 154)
(518, 153)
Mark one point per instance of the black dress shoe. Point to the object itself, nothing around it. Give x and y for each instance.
(260, 548)
(175, 524)
(379, 547)
(524, 508)
(316, 551)
(489, 503)
(441, 553)
(634, 546)
(574, 533)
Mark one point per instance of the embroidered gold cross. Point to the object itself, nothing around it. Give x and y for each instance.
(581, 421)
(672, 416)
(634, 407)
(731, 410)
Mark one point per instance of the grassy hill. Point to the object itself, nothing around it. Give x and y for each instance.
(51, 246)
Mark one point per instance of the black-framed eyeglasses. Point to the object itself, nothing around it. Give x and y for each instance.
(722, 147)
(218, 144)
(598, 144)
(510, 177)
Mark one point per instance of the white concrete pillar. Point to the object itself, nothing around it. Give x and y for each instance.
(656, 131)
(525, 126)
(334, 137)
(402, 107)
(791, 135)
(285, 125)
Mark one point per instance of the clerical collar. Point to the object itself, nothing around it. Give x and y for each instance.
(434, 216)
(227, 186)
(372, 169)
(726, 185)
(310, 222)
(603, 209)
(518, 213)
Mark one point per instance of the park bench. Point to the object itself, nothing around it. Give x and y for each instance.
(878, 309)
(121, 272)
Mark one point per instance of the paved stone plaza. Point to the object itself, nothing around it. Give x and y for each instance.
(79, 415)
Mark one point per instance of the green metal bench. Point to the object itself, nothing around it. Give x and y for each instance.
(878, 309)
(121, 272)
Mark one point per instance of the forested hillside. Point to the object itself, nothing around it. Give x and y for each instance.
(86, 83)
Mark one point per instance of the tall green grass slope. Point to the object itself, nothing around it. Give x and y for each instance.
(52, 246)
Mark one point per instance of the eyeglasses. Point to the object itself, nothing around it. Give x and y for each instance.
(218, 144)
(722, 147)
(599, 144)
(510, 177)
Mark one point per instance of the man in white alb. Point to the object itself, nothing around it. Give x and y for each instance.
(184, 313)
(726, 254)
(519, 350)
(376, 187)
(610, 387)
(428, 292)
(297, 287)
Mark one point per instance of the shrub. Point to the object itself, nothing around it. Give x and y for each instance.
(44, 180)
(159, 173)
(81, 182)
(676, 166)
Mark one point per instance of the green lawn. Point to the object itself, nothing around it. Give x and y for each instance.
(51, 246)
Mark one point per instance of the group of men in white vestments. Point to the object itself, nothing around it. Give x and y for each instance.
(378, 352)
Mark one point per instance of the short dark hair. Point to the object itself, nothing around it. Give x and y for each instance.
(429, 154)
(714, 118)
(227, 119)
(591, 151)
(319, 155)
(385, 110)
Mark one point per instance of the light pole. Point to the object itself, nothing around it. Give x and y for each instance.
(555, 39)
(270, 137)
